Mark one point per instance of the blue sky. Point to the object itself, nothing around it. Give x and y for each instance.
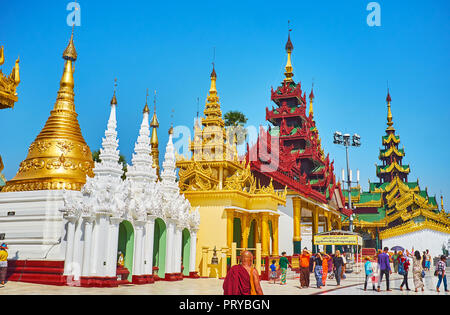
(169, 47)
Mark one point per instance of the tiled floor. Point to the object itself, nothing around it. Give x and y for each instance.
(352, 285)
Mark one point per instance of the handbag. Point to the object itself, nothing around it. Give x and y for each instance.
(423, 274)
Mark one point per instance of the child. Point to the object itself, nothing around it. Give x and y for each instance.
(273, 271)
(369, 273)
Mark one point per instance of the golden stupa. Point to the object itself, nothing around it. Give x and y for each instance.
(59, 158)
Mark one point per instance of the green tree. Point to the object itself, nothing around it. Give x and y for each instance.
(122, 160)
(235, 121)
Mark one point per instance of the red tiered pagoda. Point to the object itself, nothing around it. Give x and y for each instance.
(300, 163)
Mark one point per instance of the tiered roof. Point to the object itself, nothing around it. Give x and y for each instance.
(300, 164)
(394, 203)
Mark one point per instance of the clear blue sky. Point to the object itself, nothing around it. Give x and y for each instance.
(169, 47)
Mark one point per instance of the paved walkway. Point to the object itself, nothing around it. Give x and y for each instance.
(352, 285)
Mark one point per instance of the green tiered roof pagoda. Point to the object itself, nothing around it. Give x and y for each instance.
(394, 206)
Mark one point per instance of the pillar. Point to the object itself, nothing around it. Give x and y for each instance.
(265, 235)
(113, 244)
(230, 227)
(192, 270)
(204, 265)
(275, 241)
(245, 231)
(297, 240)
(138, 248)
(329, 248)
(69, 245)
(178, 240)
(148, 245)
(170, 231)
(86, 269)
(315, 227)
(258, 258)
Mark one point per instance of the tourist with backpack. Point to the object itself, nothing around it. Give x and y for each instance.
(403, 268)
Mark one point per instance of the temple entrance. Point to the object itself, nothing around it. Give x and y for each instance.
(159, 247)
(126, 246)
(186, 251)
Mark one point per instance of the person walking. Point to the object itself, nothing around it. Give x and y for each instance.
(395, 261)
(368, 268)
(3, 263)
(305, 258)
(338, 263)
(284, 264)
(424, 260)
(385, 268)
(325, 259)
(428, 260)
(318, 271)
(440, 269)
(418, 272)
(403, 268)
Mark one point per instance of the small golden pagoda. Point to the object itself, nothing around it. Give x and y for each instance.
(59, 158)
(233, 207)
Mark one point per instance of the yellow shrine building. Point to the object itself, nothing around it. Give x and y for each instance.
(233, 206)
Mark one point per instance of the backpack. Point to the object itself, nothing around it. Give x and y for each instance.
(401, 268)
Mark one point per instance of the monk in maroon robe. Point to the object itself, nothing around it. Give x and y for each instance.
(243, 279)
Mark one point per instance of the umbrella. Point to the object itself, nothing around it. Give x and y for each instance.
(398, 248)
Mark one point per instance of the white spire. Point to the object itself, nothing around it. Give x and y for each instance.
(109, 153)
(141, 169)
(168, 175)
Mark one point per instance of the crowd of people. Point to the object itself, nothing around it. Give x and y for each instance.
(327, 267)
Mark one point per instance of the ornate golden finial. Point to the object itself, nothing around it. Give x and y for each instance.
(114, 99)
(311, 101)
(442, 204)
(154, 139)
(146, 109)
(289, 48)
(390, 123)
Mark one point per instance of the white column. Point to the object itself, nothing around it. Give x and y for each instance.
(86, 270)
(148, 245)
(77, 259)
(69, 245)
(193, 253)
(113, 245)
(138, 248)
(177, 250)
(169, 246)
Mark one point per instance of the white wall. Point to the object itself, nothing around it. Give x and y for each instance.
(420, 240)
(36, 231)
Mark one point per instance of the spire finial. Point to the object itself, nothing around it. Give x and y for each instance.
(70, 52)
(311, 101)
(390, 123)
(114, 99)
(146, 109)
(289, 48)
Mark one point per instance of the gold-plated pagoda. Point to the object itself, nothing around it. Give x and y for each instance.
(59, 158)
(289, 69)
(154, 124)
(8, 84)
(213, 111)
